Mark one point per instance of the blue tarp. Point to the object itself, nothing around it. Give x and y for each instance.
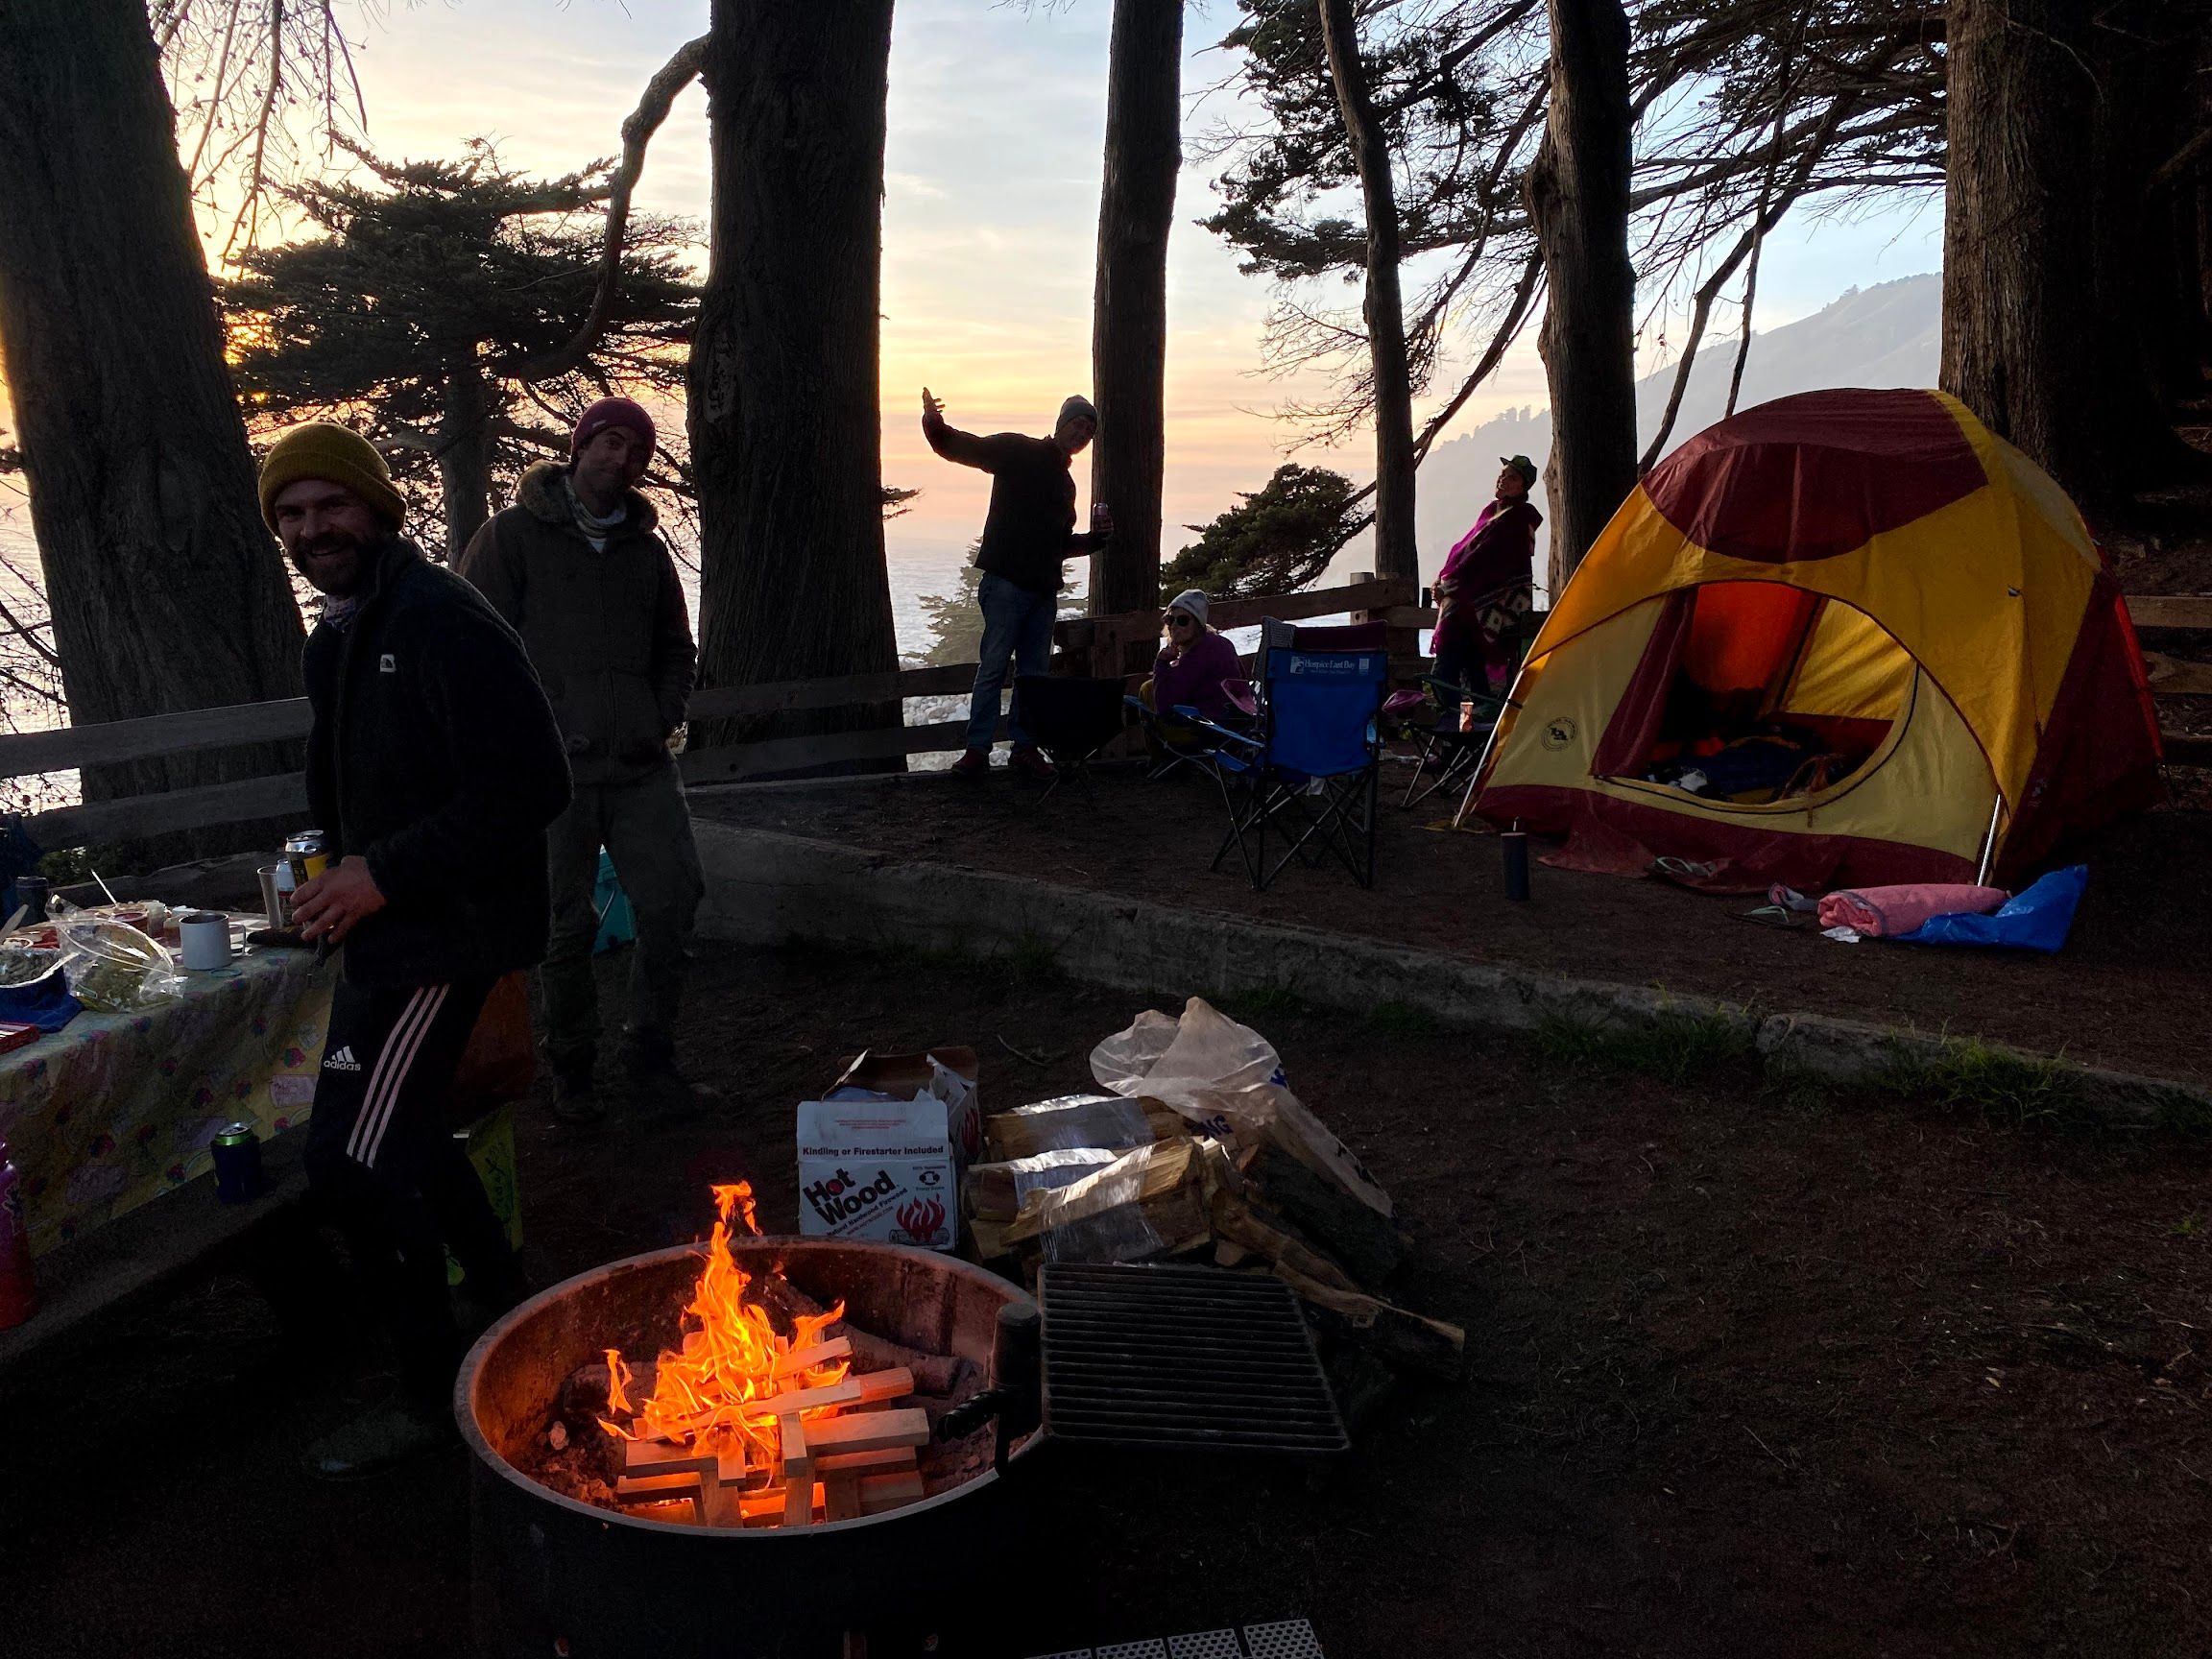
(2037, 918)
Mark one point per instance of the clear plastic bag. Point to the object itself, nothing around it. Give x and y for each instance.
(1227, 1080)
(112, 966)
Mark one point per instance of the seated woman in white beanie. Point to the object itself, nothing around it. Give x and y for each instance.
(1193, 667)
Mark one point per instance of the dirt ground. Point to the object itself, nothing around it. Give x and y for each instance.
(2129, 990)
(1749, 1375)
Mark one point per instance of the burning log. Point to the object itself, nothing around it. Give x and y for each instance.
(787, 1304)
(585, 1398)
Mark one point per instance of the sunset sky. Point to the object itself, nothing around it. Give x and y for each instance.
(997, 116)
(989, 213)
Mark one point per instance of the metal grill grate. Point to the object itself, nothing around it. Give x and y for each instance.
(1181, 1358)
(1206, 1644)
(1288, 1638)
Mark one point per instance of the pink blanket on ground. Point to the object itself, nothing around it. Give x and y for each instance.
(1885, 912)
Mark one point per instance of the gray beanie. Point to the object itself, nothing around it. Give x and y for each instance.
(1192, 601)
(1077, 405)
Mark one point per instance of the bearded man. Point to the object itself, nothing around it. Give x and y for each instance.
(435, 765)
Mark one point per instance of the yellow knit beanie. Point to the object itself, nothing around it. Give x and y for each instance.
(324, 449)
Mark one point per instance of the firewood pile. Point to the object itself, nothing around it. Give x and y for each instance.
(1195, 1149)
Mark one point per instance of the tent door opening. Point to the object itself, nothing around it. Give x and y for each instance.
(1755, 693)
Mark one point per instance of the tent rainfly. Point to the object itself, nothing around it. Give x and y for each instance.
(1844, 637)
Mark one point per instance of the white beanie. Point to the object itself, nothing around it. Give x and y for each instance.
(1192, 601)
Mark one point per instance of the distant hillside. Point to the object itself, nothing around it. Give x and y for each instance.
(1889, 335)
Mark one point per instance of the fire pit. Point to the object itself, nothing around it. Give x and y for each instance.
(558, 1575)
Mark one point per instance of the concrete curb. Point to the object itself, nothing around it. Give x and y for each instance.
(768, 888)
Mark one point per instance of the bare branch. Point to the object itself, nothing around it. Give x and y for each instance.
(653, 108)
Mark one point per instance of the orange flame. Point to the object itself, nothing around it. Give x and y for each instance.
(732, 1358)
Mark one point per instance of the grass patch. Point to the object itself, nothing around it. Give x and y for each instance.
(1677, 1046)
(2012, 1090)
(2183, 1113)
(1277, 1000)
(1394, 1018)
(1033, 963)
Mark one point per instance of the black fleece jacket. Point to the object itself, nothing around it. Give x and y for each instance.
(435, 757)
(1029, 532)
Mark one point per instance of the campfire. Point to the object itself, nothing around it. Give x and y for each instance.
(751, 1425)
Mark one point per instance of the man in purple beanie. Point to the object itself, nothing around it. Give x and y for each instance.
(574, 566)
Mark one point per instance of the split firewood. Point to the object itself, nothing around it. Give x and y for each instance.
(795, 1462)
(882, 1492)
(786, 1303)
(792, 1362)
(890, 1461)
(683, 1488)
(869, 1431)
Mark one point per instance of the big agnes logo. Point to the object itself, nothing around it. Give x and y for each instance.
(841, 1197)
(921, 1218)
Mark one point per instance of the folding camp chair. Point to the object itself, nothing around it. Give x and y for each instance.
(1070, 719)
(1312, 769)
(1171, 736)
(1450, 750)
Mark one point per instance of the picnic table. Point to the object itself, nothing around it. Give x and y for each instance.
(115, 1110)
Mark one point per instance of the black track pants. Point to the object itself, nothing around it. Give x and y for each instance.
(382, 1159)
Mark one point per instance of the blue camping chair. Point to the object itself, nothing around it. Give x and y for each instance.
(1310, 770)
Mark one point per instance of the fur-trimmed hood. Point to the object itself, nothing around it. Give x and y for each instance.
(544, 491)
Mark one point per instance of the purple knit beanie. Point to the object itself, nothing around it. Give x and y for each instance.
(614, 412)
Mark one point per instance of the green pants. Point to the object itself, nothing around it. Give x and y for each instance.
(646, 829)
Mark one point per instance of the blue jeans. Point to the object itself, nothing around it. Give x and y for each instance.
(1017, 625)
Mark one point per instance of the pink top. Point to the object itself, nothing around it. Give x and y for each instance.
(1196, 680)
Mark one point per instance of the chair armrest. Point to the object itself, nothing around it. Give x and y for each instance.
(1189, 712)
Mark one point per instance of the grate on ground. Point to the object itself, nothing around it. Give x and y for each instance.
(1290, 1639)
(1176, 1357)
(1285, 1639)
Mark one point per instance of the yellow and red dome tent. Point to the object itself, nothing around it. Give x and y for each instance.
(1876, 573)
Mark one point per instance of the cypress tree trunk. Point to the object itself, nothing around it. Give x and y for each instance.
(2065, 261)
(465, 455)
(2018, 268)
(786, 442)
(1578, 193)
(1395, 552)
(1129, 303)
(167, 591)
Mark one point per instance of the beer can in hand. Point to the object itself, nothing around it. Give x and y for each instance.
(308, 852)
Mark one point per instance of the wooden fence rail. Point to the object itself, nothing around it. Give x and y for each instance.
(1097, 645)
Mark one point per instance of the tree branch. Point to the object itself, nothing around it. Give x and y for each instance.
(653, 108)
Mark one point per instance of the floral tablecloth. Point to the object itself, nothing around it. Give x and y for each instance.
(116, 1109)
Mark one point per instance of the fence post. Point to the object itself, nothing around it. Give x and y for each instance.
(1402, 642)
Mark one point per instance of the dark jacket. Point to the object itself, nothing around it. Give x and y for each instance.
(607, 631)
(1029, 533)
(434, 756)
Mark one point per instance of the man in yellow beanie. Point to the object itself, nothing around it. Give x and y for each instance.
(334, 454)
(435, 766)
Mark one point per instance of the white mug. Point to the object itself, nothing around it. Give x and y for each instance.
(206, 939)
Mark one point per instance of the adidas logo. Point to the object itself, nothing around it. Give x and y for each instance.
(342, 1060)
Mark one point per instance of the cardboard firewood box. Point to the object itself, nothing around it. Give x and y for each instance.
(881, 1154)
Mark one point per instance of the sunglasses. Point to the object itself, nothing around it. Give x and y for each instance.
(1179, 620)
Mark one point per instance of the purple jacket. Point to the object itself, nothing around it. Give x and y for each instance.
(1196, 680)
